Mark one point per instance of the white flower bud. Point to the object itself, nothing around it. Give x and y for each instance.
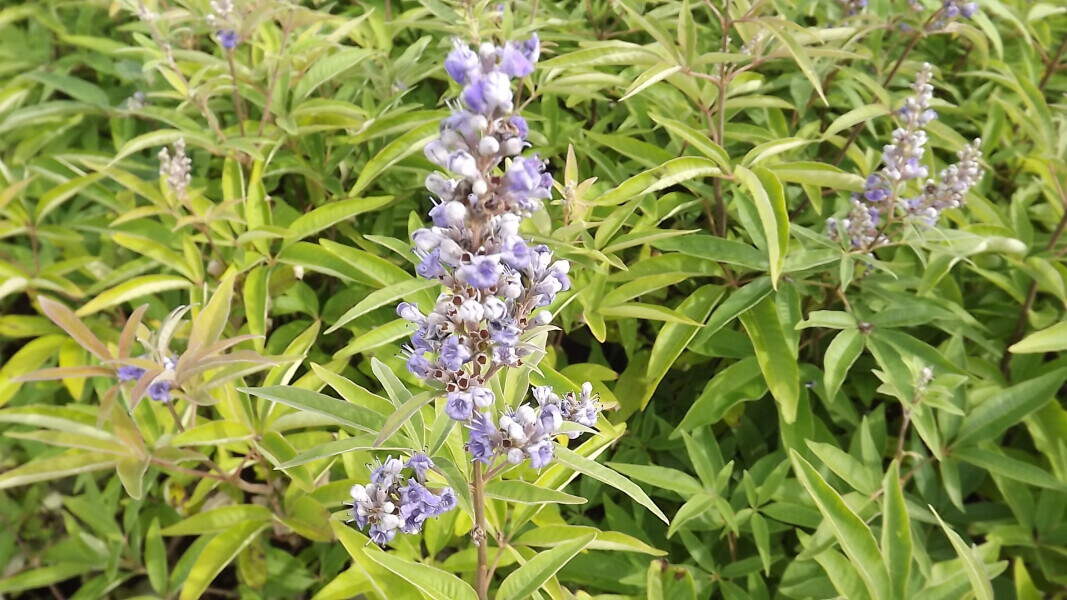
(495, 308)
(483, 397)
(511, 290)
(426, 239)
(437, 153)
(479, 122)
(515, 456)
(471, 311)
(450, 251)
(359, 493)
(487, 50)
(562, 266)
(455, 213)
(479, 187)
(389, 522)
(512, 146)
(544, 317)
(525, 414)
(441, 186)
(488, 146)
(507, 225)
(463, 164)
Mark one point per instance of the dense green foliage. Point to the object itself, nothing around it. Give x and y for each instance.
(813, 421)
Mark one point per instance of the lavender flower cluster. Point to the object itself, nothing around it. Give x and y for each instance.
(393, 503)
(952, 10)
(494, 279)
(526, 433)
(176, 169)
(882, 200)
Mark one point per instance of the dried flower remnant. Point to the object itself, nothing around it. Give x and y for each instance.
(176, 169)
(883, 200)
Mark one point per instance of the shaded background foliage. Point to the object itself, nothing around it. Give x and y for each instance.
(308, 202)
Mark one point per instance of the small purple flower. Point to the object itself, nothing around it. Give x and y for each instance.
(461, 62)
(520, 126)
(160, 390)
(420, 463)
(430, 267)
(418, 366)
(459, 406)
(482, 273)
(480, 440)
(228, 38)
(540, 454)
(454, 353)
(129, 373)
(516, 253)
(514, 61)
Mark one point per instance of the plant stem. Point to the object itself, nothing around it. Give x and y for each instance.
(478, 490)
(1052, 65)
(238, 104)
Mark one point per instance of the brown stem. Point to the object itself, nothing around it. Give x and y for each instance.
(254, 488)
(478, 490)
(1031, 295)
(1052, 65)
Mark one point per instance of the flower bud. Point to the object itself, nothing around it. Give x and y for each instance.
(512, 146)
(479, 187)
(488, 146)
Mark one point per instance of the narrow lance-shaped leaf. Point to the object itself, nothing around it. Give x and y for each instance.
(599, 472)
(851, 532)
(524, 581)
(896, 532)
(775, 356)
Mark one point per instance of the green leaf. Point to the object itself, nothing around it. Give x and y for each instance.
(553, 535)
(670, 173)
(523, 582)
(854, 472)
(54, 467)
(219, 519)
(842, 352)
(973, 566)
(798, 52)
(775, 355)
(1052, 339)
(599, 472)
(1005, 466)
(380, 298)
(325, 69)
(673, 338)
(78, 89)
(514, 490)
(431, 581)
(699, 140)
(218, 553)
(137, 287)
(155, 558)
(333, 213)
(403, 415)
(1000, 411)
(896, 532)
(851, 532)
(345, 413)
(855, 116)
(715, 249)
(393, 152)
(69, 322)
(601, 54)
(359, 443)
(769, 198)
(652, 312)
